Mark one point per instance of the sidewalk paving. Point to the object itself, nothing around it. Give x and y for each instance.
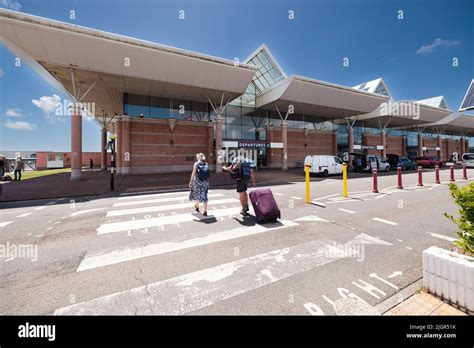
(98, 183)
(423, 303)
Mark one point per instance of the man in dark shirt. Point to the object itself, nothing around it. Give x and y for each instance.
(241, 183)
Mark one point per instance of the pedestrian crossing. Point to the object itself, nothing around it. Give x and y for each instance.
(185, 261)
(152, 209)
(195, 290)
(185, 230)
(165, 229)
(128, 254)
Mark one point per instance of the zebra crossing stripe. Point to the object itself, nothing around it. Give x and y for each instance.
(24, 215)
(166, 207)
(190, 292)
(164, 220)
(5, 223)
(140, 195)
(161, 200)
(81, 212)
(128, 254)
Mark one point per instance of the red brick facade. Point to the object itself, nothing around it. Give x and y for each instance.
(394, 144)
(301, 143)
(157, 145)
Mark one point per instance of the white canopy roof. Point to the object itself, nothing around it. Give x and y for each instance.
(154, 69)
(454, 124)
(403, 113)
(318, 98)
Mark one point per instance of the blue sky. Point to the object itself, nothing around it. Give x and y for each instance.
(414, 54)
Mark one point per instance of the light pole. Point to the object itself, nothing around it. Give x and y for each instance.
(111, 146)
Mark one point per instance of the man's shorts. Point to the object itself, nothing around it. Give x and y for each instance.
(242, 185)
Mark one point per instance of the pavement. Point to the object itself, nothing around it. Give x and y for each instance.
(423, 303)
(97, 182)
(150, 253)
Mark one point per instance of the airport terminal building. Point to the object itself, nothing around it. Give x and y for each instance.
(166, 104)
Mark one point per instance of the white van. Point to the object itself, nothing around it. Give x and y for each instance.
(468, 159)
(324, 165)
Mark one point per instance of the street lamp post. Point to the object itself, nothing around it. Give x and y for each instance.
(111, 146)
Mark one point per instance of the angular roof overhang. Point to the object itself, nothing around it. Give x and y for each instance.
(457, 124)
(404, 113)
(318, 98)
(54, 47)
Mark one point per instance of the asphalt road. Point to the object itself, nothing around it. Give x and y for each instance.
(150, 253)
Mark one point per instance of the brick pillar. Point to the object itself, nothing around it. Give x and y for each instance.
(351, 139)
(439, 152)
(334, 142)
(270, 138)
(467, 144)
(404, 146)
(118, 142)
(448, 154)
(350, 142)
(383, 139)
(103, 150)
(284, 138)
(218, 143)
(209, 143)
(125, 147)
(76, 142)
(463, 146)
(420, 145)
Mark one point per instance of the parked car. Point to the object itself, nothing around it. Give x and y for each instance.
(468, 159)
(370, 162)
(324, 164)
(379, 163)
(429, 162)
(396, 161)
(406, 163)
(393, 160)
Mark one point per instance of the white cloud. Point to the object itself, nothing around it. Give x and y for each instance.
(11, 4)
(437, 43)
(13, 113)
(19, 125)
(49, 105)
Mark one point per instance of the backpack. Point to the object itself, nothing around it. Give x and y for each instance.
(236, 171)
(202, 171)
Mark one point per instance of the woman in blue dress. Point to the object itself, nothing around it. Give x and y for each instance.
(199, 183)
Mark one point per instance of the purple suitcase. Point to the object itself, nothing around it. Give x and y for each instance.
(264, 205)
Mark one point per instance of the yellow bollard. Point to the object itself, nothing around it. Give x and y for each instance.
(308, 195)
(344, 179)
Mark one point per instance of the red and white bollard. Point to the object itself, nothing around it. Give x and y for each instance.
(464, 172)
(399, 175)
(451, 169)
(437, 181)
(420, 176)
(374, 175)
